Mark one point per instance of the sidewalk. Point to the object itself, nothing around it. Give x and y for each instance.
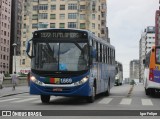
(7, 91)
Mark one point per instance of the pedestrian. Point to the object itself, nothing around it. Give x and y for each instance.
(28, 78)
(14, 80)
(1, 79)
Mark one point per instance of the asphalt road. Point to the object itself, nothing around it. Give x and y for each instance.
(123, 97)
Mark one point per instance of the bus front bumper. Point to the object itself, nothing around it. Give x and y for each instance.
(153, 85)
(81, 90)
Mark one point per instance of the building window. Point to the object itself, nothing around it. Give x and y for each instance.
(72, 15)
(43, 7)
(62, 16)
(62, 25)
(82, 16)
(42, 25)
(102, 31)
(93, 25)
(5, 33)
(93, 16)
(72, 25)
(52, 25)
(35, 8)
(34, 25)
(24, 52)
(102, 23)
(103, 14)
(82, 7)
(23, 61)
(99, 26)
(99, 17)
(53, 16)
(82, 26)
(62, 7)
(24, 43)
(72, 6)
(34, 16)
(103, 6)
(43, 16)
(24, 26)
(53, 7)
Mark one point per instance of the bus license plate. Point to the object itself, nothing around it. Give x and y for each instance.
(57, 89)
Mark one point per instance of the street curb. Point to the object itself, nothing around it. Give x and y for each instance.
(7, 95)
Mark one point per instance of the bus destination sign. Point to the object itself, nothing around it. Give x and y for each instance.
(60, 35)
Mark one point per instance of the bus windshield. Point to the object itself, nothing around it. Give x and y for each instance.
(58, 56)
(158, 55)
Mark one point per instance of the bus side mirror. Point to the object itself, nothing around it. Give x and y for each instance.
(28, 49)
(144, 61)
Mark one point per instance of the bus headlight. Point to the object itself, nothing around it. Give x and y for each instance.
(36, 81)
(33, 78)
(85, 79)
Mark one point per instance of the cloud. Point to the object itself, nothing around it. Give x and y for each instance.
(126, 20)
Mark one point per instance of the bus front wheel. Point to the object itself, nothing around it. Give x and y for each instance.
(45, 98)
(91, 98)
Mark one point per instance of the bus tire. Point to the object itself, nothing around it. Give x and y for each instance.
(147, 91)
(153, 92)
(91, 98)
(45, 98)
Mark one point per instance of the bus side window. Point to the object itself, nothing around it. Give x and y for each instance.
(97, 51)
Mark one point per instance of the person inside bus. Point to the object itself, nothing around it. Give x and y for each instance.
(62, 67)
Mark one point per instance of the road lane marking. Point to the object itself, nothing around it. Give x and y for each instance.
(146, 102)
(24, 100)
(37, 101)
(5, 100)
(105, 101)
(126, 101)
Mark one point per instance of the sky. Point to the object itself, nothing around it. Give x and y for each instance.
(126, 20)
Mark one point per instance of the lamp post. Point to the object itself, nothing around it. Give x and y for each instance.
(14, 46)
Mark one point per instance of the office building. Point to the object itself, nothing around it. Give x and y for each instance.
(157, 27)
(5, 25)
(15, 39)
(134, 69)
(145, 44)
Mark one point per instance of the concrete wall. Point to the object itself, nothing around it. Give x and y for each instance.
(21, 81)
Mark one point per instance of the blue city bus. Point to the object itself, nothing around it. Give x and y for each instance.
(70, 62)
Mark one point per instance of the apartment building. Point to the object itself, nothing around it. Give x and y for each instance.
(79, 14)
(5, 24)
(157, 27)
(145, 44)
(43, 14)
